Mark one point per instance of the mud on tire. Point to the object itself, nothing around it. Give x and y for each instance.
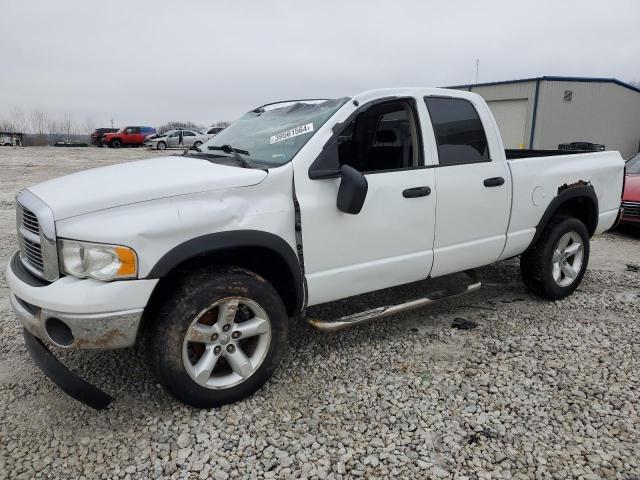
(166, 335)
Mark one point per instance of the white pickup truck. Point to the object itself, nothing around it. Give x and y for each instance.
(208, 256)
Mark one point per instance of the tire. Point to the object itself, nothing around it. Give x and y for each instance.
(197, 145)
(544, 266)
(115, 143)
(161, 146)
(187, 310)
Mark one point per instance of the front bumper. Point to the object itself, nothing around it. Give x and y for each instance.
(80, 313)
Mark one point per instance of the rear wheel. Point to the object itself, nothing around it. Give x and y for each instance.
(197, 145)
(218, 337)
(554, 266)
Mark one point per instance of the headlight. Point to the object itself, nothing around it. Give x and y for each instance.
(95, 260)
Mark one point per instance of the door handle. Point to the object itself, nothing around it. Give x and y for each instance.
(416, 192)
(493, 182)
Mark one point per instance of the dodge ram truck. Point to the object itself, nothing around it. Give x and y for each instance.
(208, 256)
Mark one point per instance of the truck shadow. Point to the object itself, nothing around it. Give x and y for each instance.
(125, 374)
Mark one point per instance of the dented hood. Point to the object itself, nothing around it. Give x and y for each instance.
(133, 182)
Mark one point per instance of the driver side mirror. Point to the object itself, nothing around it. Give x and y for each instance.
(352, 191)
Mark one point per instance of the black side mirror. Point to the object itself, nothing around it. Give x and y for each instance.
(352, 191)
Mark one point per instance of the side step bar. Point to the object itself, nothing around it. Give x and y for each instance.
(380, 312)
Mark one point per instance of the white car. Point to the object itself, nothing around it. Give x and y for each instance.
(211, 255)
(211, 131)
(177, 139)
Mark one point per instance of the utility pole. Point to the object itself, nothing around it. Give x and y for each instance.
(112, 123)
(477, 68)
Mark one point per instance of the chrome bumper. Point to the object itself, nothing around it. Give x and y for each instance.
(79, 331)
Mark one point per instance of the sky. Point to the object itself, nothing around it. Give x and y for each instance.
(148, 62)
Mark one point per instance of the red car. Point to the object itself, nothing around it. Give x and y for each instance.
(631, 192)
(127, 136)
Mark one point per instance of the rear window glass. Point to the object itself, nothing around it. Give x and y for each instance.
(459, 132)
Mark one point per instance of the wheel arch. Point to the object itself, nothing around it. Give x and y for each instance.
(577, 200)
(264, 253)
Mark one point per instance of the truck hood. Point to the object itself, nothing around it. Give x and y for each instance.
(133, 182)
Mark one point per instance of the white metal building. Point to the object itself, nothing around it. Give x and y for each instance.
(541, 113)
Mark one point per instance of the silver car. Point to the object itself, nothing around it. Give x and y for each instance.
(177, 139)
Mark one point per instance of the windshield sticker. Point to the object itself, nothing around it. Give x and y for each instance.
(294, 132)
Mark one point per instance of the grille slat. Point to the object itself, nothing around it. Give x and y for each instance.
(30, 221)
(631, 208)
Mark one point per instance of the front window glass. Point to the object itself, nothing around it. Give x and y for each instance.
(273, 134)
(633, 165)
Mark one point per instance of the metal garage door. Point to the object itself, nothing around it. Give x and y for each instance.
(511, 116)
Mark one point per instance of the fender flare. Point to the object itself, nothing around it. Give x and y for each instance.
(564, 195)
(220, 241)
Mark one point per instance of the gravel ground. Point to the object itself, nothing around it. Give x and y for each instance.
(539, 390)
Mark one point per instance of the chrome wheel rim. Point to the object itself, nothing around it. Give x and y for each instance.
(567, 259)
(226, 343)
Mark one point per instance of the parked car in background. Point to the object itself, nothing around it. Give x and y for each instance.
(97, 136)
(631, 192)
(211, 131)
(128, 136)
(177, 139)
(11, 139)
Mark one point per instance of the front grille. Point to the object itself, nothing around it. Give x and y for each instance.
(30, 221)
(631, 208)
(36, 236)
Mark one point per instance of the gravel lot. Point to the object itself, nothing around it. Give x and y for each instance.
(538, 390)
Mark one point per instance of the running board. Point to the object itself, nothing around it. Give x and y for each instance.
(380, 312)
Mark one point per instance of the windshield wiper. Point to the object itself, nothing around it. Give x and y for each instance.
(237, 153)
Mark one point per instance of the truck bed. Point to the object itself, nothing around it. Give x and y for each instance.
(537, 179)
(514, 154)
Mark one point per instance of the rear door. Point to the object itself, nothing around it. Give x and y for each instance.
(473, 186)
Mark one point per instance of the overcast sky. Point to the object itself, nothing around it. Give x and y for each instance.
(147, 62)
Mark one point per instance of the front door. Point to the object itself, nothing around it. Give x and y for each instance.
(390, 241)
(173, 140)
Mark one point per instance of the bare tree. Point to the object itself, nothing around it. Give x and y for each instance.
(220, 123)
(53, 129)
(67, 126)
(88, 126)
(39, 122)
(175, 125)
(19, 119)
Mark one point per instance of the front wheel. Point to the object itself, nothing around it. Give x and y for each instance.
(554, 266)
(161, 146)
(115, 143)
(218, 337)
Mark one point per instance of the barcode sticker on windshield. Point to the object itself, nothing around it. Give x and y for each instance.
(294, 132)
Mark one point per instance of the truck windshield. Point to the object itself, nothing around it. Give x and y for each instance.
(273, 134)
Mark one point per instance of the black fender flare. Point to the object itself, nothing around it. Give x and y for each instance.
(220, 241)
(564, 195)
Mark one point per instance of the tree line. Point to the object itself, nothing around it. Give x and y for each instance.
(44, 129)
